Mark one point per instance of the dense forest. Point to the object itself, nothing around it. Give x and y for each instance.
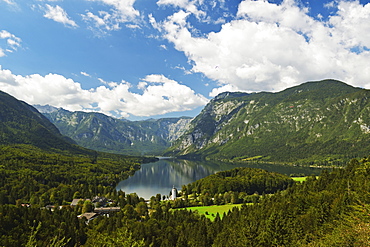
(31, 178)
(332, 209)
(239, 185)
(32, 175)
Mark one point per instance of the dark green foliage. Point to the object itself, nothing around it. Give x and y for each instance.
(325, 123)
(31, 174)
(332, 210)
(19, 224)
(319, 212)
(248, 180)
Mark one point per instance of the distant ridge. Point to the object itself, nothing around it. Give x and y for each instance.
(46, 108)
(103, 133)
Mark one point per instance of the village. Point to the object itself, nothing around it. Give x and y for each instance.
(102, 206)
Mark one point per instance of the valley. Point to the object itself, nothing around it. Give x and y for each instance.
(103, 133)
(49, 159)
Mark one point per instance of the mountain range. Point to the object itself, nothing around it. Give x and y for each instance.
(103, 133)
(322, 121)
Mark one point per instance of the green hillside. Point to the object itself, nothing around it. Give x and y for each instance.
(36, 161)
(21, 123)
(323, 122)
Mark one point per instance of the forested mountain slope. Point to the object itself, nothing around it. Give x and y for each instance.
(21, 123)
(320, 121)
(35, 159)
(100, 132)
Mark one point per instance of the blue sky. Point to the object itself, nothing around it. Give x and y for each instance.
(139, 59)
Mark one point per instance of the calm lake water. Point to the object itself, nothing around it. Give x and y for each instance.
(159, 177)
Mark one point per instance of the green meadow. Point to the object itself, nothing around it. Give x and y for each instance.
(301, 179)
(211, 211)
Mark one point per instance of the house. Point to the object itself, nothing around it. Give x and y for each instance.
(88, 216)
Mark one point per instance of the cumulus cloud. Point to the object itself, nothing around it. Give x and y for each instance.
(58, 14)
(272, 46)
(160, 95)
(351, 25)
(11, 45)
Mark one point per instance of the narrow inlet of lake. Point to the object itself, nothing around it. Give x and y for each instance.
(159, 177)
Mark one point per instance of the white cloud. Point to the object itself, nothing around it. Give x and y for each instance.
(101, 24)
(85, 74)
(154, 23)
(133, 26)
(273, 46)
(159, 95)
(164, 47)
(329, 5)
(58, 14)
(187, 5)
(225, 88)
(154, 78)
(351, 25)
(10, 2)
(142, 85)
(12, 43)
(120, 12)
(123, 9)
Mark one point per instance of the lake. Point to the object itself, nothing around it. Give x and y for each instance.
(159, 177)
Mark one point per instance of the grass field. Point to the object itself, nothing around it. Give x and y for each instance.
(301, 179)
(211, 211)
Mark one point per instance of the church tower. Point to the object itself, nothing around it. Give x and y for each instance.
(174, 193)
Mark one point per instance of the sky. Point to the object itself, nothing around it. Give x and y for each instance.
(139, 59)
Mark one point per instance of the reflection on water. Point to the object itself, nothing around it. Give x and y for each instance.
(159, 177)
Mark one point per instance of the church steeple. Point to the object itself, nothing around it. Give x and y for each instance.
(173, 193)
